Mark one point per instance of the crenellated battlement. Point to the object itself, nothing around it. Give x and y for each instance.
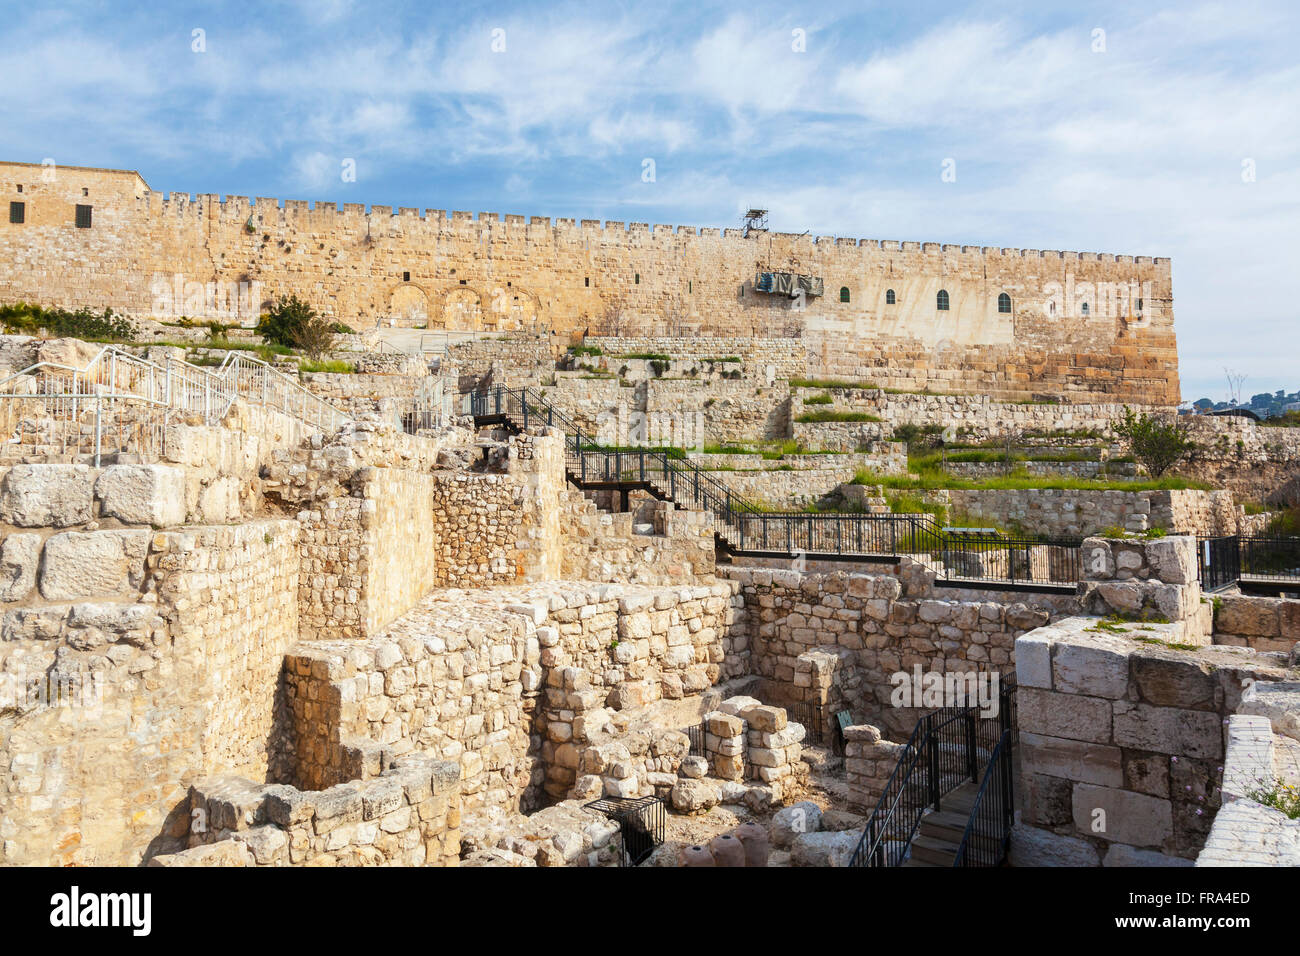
(239, 207)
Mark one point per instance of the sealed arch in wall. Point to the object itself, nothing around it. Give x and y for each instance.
(408, 306)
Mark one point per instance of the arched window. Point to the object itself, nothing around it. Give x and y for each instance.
(1004, 303)
(941, 300)
(1084, 308)
(844, 293)
(890, 299)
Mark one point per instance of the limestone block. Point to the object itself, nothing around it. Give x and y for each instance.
(1173, 559)
(223, 853)
(1034, 660)
(142, 494)
(1047, 800)
(1071, 759)
(1033, 846)
(789, 822)
(765, 718)
(45, 496)
(1168, 730)
(92, 564)
(1121, 816)
(1064, 715)
(1248, 616)
(694, 796)
(824, 849)
(694, 767)
(1174, 680)
(1120, 854)
(19, 557)
(1093, 667)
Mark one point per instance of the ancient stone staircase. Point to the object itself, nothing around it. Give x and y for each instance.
(940, 832)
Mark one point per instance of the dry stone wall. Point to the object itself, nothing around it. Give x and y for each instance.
(406, 816)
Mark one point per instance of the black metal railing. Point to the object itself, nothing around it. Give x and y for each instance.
(947, 748)
(988, 831)
(1270, 558)
(1218, 562)
(1224, 560)
(955, 555)
(640, 825)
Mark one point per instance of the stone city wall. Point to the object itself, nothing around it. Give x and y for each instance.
(880, 317)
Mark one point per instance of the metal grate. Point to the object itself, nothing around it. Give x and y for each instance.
(640, 824)
(17, 213)
(696, 735)
(83, 216)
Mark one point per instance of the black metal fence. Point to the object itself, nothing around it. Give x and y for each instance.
(1225, 560)
(947, 748)
(988, 831)
(640, 825)
(1218, 562)
(809, 714)
(1270, 558)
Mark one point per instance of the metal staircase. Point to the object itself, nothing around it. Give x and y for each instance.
(949, 800)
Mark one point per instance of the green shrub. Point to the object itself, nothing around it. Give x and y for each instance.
(585, 350)
(293, 323)
(81, 324)
(1154, 441)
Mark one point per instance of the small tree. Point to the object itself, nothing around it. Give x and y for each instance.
(1156, 442)
(293, 323)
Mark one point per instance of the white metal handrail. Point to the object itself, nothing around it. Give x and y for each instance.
(115, 374)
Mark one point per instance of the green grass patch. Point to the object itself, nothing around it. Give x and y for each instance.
(333, 367)
(932, 480)
(829, 383)
(822, 399)
(725, 358)
(649, 356)
(585, 350)
(830, 416)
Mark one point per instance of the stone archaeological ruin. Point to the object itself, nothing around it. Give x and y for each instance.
(579, 548)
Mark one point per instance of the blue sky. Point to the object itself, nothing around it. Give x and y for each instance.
(1135, 148)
